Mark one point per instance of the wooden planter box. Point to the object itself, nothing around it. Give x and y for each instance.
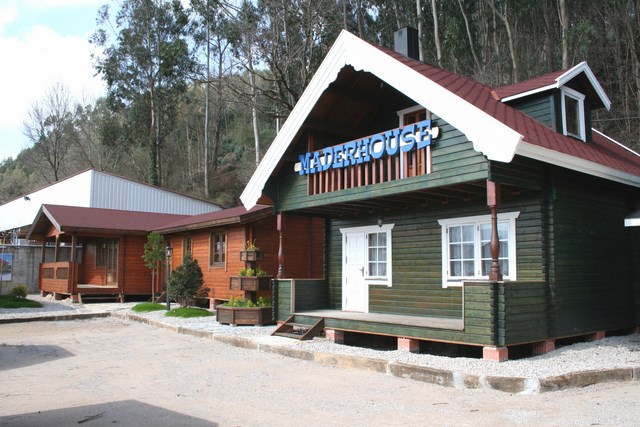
(244, 315)
(250, 283)
(249, 256)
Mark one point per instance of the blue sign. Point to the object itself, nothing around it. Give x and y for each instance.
(411, 137)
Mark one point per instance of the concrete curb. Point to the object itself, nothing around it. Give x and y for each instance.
(52, 318)
(513, 385)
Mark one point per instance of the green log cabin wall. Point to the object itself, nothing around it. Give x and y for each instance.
(591, 277)
(454, 161)
(417, 255)
(635, 233)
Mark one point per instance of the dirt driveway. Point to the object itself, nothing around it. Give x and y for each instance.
(107, 372)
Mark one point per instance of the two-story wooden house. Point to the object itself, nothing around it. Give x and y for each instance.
(454, 212)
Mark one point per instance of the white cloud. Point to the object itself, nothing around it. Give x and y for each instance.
(32, 63)
(48, 4)
(8, 14)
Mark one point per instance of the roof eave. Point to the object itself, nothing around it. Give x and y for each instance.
(232, 220)
(578, 164)
(489, 136)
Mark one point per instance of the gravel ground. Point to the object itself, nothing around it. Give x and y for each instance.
(608, 353)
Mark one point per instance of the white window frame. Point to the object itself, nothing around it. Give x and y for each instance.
(476, 221)
(406, 111)
(577, 96)
(372, 229)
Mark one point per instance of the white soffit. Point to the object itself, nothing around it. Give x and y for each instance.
(489, 136)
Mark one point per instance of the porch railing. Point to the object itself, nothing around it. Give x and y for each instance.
(58, 277)
(385, 169)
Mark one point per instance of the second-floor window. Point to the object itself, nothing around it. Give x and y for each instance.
(218, 249)
(573, 123)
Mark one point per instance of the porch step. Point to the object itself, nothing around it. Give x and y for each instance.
(299, 331)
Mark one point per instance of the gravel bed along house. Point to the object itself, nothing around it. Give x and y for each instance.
(608, 353)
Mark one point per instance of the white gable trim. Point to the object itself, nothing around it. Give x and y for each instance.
(577, 164)
(563, 79)
(489, 136)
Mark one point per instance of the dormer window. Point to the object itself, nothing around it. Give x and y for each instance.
(573, 113)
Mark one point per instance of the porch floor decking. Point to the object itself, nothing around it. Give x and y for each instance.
(89, 286)
(395, 319)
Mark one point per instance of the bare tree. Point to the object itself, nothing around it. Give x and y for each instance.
(50, 128)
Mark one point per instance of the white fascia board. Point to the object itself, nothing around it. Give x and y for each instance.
(616, 142)
(583, 67)
(563, 79)
(568, 161)
(489, 136)
(529, 92)
(632, 222)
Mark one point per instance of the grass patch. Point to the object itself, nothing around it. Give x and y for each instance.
(8, 301)
(146, 307)
(187, 312)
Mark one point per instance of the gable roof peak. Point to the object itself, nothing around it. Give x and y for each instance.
(553, 80)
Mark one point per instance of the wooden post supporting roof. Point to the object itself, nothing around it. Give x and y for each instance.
(493, 201)
(279, 226)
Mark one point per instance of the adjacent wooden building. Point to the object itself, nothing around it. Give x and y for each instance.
(95, 252)
(454, 212)
(216, 240)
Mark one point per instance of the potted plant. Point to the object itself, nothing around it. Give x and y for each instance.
(251, 252)
(251, 279)
(243, 311)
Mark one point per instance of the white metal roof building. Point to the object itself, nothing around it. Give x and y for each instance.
(97, 189)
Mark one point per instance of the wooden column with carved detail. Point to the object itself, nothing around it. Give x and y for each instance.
(493, 201)
(279, 226)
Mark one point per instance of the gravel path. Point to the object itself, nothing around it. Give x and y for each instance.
(608, 353)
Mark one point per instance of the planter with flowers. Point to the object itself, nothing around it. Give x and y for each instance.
(251, 280)
(243, 311)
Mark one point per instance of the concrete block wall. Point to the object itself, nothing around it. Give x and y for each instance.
(26, 260)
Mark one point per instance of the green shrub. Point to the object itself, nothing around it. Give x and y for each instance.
(19, 291)
(239, 302)
(243, 302)
(146, 307)
(185, 283)
(247, 272)
(187, 312)
(258, 272)
(264, 302)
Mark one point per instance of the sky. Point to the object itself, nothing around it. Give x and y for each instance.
(43, 42)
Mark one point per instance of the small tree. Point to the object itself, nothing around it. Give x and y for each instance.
(185, 282)
(153, 255)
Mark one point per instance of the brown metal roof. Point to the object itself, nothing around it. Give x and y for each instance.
(237, 215)
(68, 219)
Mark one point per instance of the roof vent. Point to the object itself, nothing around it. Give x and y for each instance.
(405, 42)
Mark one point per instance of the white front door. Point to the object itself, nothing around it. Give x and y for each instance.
(354, 289)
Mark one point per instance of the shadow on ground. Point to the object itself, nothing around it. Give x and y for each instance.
(124, 413)
(19, 356)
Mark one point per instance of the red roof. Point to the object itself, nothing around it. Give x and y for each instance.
(601, 150)
(74, 218)
(528, 85)
(237, 215)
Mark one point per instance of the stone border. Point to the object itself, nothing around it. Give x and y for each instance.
(514, 385)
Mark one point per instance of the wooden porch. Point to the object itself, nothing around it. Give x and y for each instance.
(61, 278)
(493, 314)
(396, 319)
